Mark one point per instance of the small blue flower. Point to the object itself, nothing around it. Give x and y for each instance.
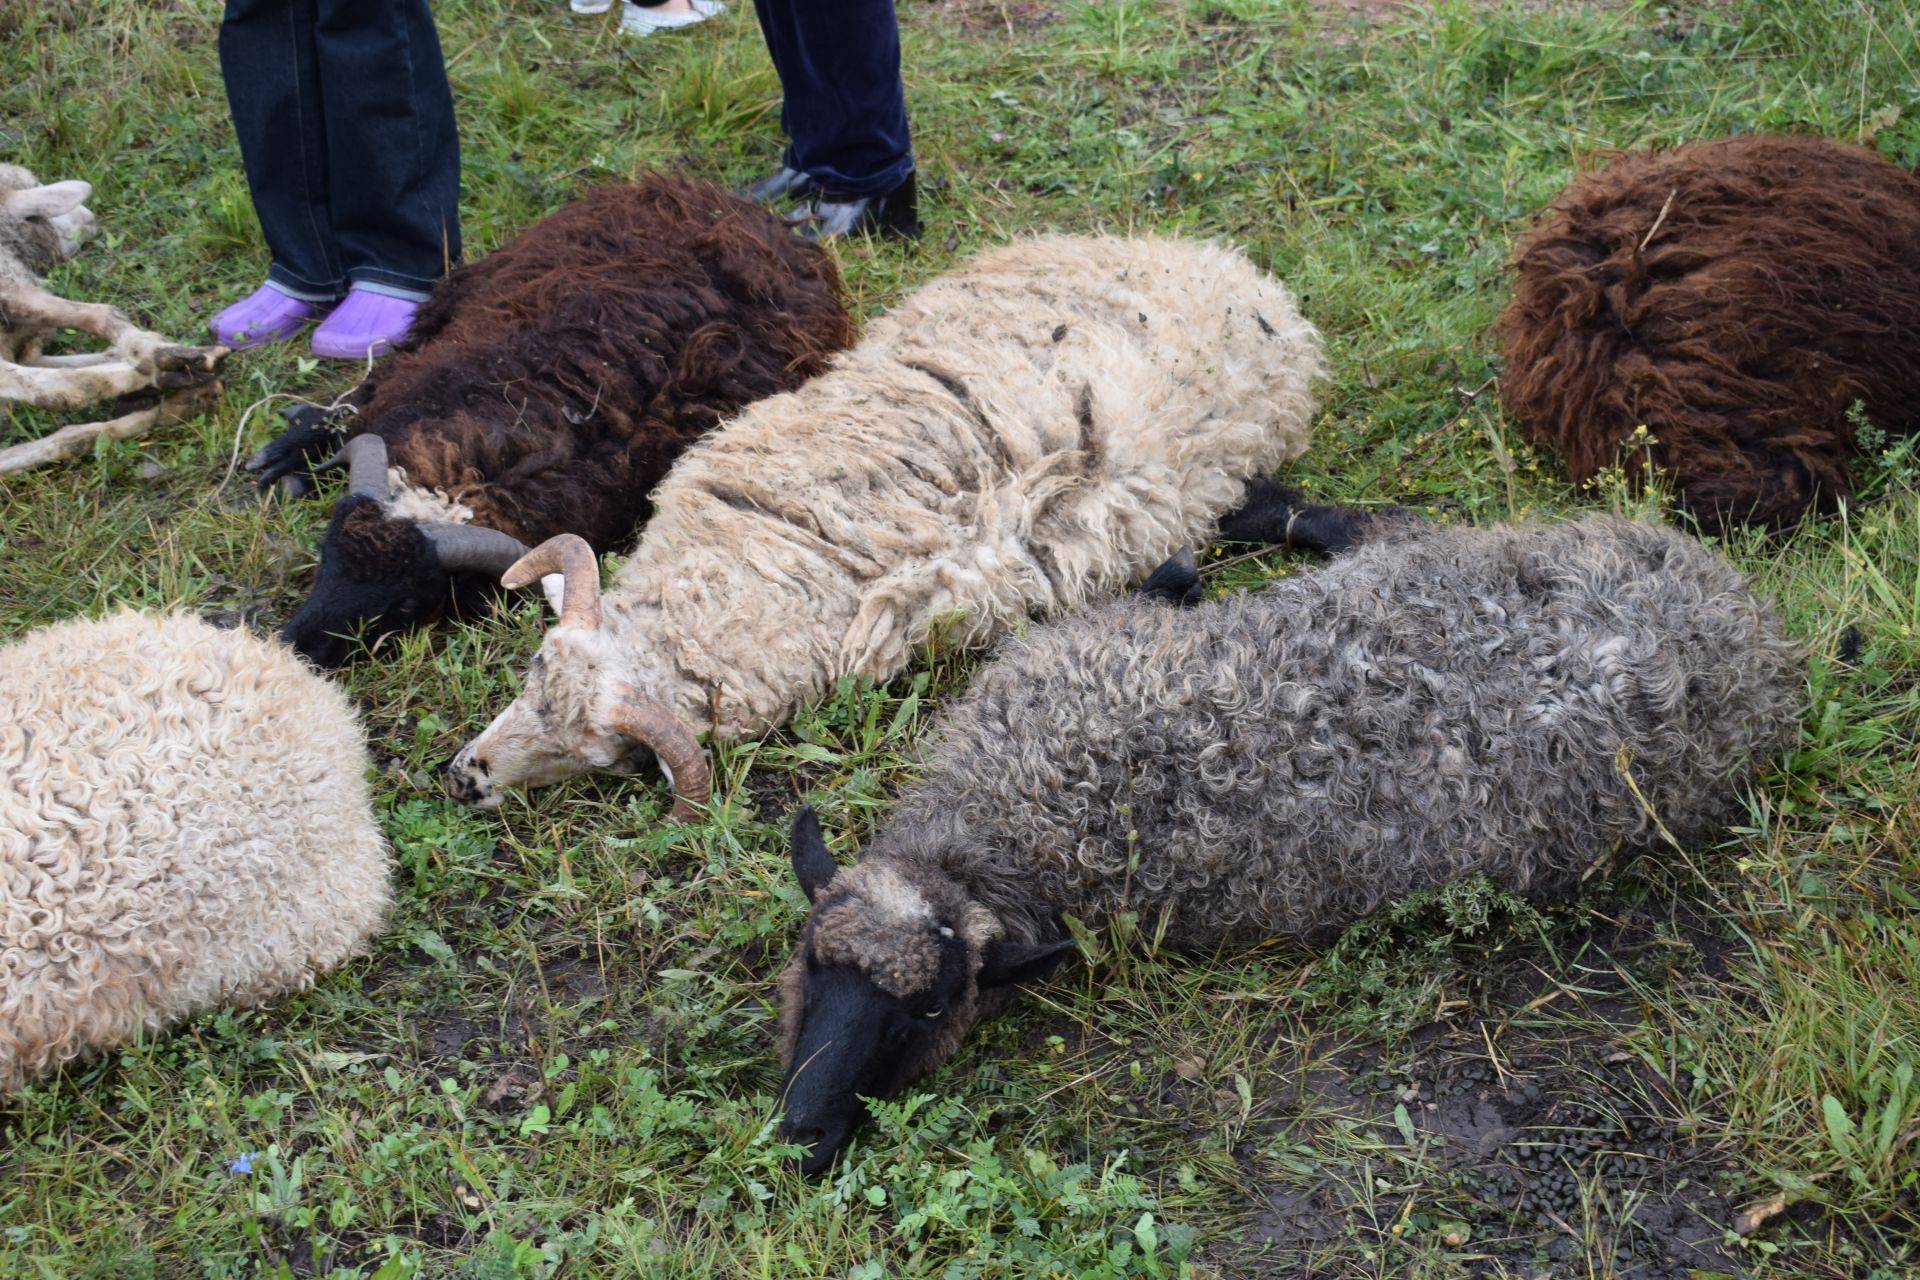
(243, 1165)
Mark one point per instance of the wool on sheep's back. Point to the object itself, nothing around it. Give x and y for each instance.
(1735, 297)
(1463, 701)
(1040, 426)
(184, 820)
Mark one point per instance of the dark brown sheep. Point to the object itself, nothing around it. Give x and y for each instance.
(1735, 297)
(548, 387)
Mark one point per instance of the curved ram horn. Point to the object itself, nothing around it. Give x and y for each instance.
(568, 555)
(650, 721)
(365, 457)
(469, 548)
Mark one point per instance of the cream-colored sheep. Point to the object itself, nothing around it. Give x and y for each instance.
(1046, 423)
(184, 821)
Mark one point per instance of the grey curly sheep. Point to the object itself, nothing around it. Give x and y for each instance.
(1438, 703)
(184, 820)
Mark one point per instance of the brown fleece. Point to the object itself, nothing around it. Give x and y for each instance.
(551, 384)
(1735, 297)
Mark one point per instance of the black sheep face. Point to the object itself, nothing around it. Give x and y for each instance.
(378, 575)
(896, 965)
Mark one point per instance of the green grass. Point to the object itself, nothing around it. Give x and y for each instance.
(558, 1061)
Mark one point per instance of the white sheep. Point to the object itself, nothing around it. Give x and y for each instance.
(41, 226)
(184, 821)
(1046, 423)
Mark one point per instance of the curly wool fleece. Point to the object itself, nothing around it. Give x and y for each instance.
(1422, 709)
(184, 820)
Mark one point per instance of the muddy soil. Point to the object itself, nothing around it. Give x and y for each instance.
(1549, 1158)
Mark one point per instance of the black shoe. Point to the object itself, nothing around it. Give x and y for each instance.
(782, 184)
(832, 213)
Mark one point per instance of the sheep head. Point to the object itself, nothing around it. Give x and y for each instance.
(577, 711)
(43, 225)
(896, 965)
(380, 572)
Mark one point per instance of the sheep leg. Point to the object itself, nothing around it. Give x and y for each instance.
(70, 382)
(81, 361)
(1176, 582)
(33, 306)
(167, 365)
(75, 439)
(1273, 513)
(291, 458)
(70, 388)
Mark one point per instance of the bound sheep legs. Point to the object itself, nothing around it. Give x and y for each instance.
(1273, 513)
(1276, 514)
(157, 409)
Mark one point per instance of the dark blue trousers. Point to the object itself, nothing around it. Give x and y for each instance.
(845, 110)
(346, 129)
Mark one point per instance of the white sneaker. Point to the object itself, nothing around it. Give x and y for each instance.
(590, 6)
(636, 21)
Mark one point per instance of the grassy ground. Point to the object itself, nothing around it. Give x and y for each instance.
(558, 1061)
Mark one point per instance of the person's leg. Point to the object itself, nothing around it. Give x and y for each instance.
(391, 144)
(273, 92)
(846, 110)
(787, 182)
(394, 151)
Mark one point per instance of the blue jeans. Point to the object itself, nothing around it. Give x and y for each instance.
(844, 107)
(346, 129)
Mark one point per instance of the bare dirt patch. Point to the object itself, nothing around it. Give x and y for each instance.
(1009, 16)
(1548, 1159)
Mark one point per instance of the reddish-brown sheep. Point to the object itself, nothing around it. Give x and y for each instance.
(1736, 297)
(547, 388)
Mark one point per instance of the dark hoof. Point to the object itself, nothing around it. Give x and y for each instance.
(1177, 582)
(289, 459)
(135, 401)
(177, 368)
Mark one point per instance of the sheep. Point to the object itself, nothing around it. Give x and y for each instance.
(1736, 298)
(1434, 704)
(40, 227)
(1043, 424)
(184, 821)
(546, 389)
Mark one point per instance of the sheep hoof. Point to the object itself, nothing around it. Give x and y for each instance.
(296, 452)
(177, 368)
(1177, 582)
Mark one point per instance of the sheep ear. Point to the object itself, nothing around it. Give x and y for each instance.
(1016, 964)
(812, 864)
(49, 201)
(554, 587)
